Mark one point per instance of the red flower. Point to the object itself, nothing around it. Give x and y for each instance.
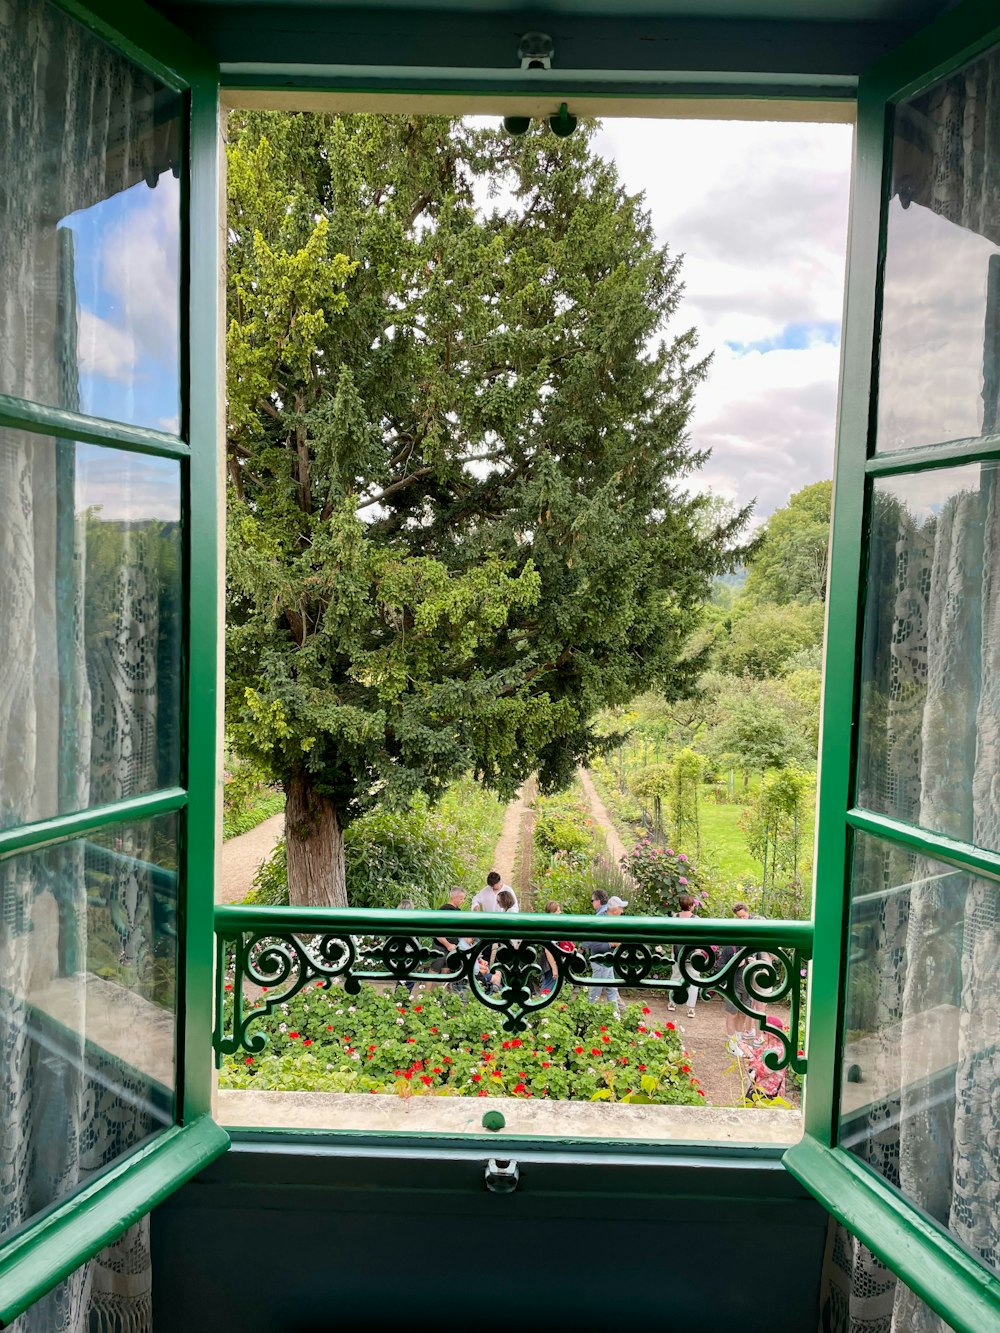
(293, 1035)
(426, 1079)
(264, 989)
(248, 1060)
(595, 1050)
(418, 1008)
(487, 1055)
(229, 985)
(546, 1064)
(550, 1049)
(700, 1093)
(801, 1053)
(670, 1028)
(477, 1078)
(517, 1042)
(486, 1036)
(685, 1069)
(578, 1049)
(519, 1087)
(604, 1029)
(482, 1094)
(307, 1042)
(319, 983)
(645, 1010)
(410, 1040)
(433, 1029)
(506, 1045)
(407, 1073)
(329, 1027)
(522, 1074)
(438, 1069)
(371, 1048)
(605, 1039)
(448, 1060)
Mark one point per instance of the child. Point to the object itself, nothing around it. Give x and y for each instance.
(687, 905)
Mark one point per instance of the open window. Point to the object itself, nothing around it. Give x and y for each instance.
(107, 749)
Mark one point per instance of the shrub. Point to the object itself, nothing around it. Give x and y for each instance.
(660, 876)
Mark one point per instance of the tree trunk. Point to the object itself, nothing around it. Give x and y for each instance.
(315, 841)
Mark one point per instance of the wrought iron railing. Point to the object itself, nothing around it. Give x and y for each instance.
(266, 955)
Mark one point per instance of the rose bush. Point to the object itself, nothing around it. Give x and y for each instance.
(661, 876)
(431, 1043)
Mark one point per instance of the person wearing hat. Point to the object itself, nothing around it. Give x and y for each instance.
(603, 972)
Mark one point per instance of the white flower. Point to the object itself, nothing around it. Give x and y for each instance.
(446, 1036)
(282, 1027)
(353, 1009)
(399, 1022)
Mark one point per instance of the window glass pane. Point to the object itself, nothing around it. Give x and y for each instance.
(921, 1054)
(90, 242)
(939, 371)
(90, 593)
(930, 706)
(88, 946)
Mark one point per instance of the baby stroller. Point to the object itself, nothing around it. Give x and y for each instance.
(763, 1084)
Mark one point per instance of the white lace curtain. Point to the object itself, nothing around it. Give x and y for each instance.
(76, 124)
(938, 593)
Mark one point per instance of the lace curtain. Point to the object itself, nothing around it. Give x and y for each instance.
(78, 691)
(935, 588)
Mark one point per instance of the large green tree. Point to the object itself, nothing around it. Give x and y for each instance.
(456, 431)
(791, 563)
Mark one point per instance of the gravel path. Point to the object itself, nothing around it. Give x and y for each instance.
(517, 824)
(616, 848)
(241, 856)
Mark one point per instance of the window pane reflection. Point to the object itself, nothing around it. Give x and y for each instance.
(88, 943)
(929, 744)
(939, 371)
(90, 242)
(921, 1056)
(90, 601)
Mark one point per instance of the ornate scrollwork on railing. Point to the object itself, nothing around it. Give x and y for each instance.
(505, 976)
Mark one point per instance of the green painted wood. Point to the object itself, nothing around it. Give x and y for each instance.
(843, 634)
(945, 45)
(963, 1291)
(64, 828)
(952, 851)
(926, 458)
(203, 575)
(46, 1252)
(524, 925)
(142, 34)
(18, 414)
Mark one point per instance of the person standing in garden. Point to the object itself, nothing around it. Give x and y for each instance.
(486, 899)
(604, 972)
(687, 905)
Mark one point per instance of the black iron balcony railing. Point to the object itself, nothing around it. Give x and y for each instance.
(266, 955)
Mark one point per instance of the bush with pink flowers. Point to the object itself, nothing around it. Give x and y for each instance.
(661, 875)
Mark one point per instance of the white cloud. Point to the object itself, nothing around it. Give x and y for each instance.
(103, 348)
(759, 211)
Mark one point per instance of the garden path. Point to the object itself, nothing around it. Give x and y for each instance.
(241, 857)
(616, 848)
(513, 847)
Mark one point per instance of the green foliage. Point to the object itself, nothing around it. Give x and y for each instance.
(247, 798)
(775, 824)
(433, 1044)
(416, 854)
(661, 876)
(685, 790)
(764, 636)
(752, 730)
(791, 563)
(450, 434)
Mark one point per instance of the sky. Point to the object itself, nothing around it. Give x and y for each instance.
(759, 211)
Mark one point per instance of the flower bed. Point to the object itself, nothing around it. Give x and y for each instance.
(434, 1044)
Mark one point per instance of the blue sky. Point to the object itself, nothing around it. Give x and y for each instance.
(127, 262)
(795, 337)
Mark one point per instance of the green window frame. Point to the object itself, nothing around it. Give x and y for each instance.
(52, 1247)
(918, 1250)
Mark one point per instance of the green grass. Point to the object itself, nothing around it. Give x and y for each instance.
(723, 844)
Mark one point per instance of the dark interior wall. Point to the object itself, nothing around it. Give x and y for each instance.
(297, 1240)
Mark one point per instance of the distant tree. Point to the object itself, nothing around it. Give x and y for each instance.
(753, 732)
(791, 562)
(763, 636)
(456, 437)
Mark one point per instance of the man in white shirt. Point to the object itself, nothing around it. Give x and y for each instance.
(486, 899)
